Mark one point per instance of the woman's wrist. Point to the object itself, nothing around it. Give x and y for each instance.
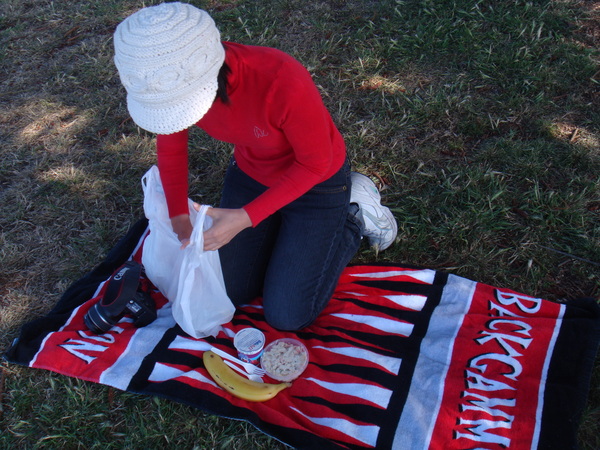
(182, 227)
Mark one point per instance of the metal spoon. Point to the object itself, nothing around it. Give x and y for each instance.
(243, 372)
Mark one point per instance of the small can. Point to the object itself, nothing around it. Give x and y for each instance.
(249, 342)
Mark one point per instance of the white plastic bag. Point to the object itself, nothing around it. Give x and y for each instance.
(191, 279)
(161, 257)
(202, 304)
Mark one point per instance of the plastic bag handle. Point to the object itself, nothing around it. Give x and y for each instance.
(148, 176)
(197, 237)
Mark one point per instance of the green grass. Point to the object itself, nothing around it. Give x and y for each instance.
(481, 121)
(94, 417)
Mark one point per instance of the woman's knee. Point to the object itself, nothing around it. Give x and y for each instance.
(293, 309)
(287, 322)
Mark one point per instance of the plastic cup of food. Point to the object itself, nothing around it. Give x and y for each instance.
(249, 343)
(284, 359)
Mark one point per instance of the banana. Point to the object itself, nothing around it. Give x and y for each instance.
(236, 384)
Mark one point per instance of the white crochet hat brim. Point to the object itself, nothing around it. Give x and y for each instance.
(173, 117)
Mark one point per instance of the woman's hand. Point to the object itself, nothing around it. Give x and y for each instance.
(182, 227)
(226, 224)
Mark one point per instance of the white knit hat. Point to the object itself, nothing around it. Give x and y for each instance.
(168, 57)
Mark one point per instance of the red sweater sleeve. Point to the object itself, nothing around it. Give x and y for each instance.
(172, 155)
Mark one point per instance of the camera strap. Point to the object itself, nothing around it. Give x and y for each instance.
(124, 283)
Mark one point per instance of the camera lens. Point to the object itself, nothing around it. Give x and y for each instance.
(97, 321)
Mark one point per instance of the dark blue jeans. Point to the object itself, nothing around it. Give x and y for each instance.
(294, 258)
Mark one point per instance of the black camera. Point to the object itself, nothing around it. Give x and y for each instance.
(123, 296)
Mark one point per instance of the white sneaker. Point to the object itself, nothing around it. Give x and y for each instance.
(380, 225)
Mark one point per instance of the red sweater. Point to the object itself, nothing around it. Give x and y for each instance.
(282, 133)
